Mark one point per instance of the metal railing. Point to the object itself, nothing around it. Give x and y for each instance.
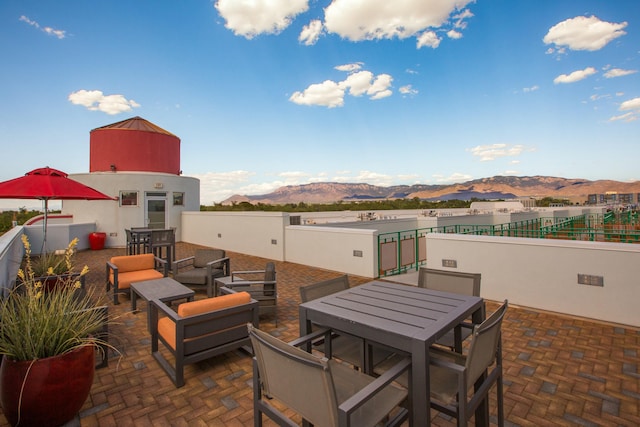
(402, 251)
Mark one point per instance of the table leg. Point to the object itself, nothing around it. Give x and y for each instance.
(134, 297)
(419, 386)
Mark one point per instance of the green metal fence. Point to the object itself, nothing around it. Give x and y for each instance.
(401, 251)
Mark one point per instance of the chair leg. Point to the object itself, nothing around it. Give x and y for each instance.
(257, 395)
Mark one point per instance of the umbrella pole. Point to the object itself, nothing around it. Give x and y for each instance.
(44, 238)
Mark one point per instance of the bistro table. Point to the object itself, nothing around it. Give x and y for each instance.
(406, 318)
(165, 290)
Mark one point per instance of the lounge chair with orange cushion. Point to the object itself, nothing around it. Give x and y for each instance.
(201, 329)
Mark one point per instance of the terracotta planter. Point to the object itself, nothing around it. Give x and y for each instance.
(46, 392)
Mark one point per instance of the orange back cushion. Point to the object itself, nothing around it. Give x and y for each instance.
(167, 329)
(127, 263)
(211, 304)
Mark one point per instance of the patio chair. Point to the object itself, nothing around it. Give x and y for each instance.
(123, 270)
(323, 391)
(200, 270)
(457, 283)
(201, 329)
(452, 374)
(260, 284)
(163, 242)
(347, 348)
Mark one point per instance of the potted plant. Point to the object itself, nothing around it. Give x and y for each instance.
(48, 339)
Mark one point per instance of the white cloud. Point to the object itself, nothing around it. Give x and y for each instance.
(531, 89)
(627, 117)
(249, 18)
(453, 34)
(453, 178)
(460, 19)
(358, 20)
(359, 82)
(582, 33)
(48, 30)
(494, 151)
(217, 186)
(311, 33)
(380, 87)
(617, 72)
(349, 67)
(354, 20)
(328, 94)
(407, 90)
(633, 108)
(428, 39)
(95, 100)
(575, 76)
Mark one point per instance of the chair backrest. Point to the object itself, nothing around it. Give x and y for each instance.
(203, 256)
(270, 272)
(450, 281)
(484, 344)
(324, 288)
(296, 378)
(270, 280)
(161, 236)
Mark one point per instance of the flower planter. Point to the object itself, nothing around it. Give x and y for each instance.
(46, 392)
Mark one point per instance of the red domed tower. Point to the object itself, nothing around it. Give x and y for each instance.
(134, 145)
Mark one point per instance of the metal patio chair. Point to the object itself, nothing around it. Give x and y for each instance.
(323, 391)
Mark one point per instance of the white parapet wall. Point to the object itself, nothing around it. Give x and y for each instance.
(259, 234)
(545, 274)
(347, 250)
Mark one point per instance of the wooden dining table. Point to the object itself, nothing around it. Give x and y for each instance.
(402, 317)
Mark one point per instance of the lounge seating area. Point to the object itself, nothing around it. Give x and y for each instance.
(556, 369)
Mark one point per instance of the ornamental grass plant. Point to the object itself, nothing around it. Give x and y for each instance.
(38, 322)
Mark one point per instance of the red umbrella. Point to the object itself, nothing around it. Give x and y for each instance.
(48, 184)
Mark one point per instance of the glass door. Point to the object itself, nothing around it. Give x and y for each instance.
(156, 210)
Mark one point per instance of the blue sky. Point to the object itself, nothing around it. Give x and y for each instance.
(277, 92)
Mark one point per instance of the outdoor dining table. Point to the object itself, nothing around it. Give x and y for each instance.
(406, 318)
(160, 242)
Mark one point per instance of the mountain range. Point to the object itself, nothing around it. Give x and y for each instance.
(497, 187)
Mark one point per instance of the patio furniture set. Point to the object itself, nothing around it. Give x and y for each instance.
(378, 351)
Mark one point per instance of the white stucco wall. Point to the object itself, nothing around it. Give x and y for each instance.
(112, 218)
(347, 250)
(256, 233)
(543, 273)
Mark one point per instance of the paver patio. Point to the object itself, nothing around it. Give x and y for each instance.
(559, 370)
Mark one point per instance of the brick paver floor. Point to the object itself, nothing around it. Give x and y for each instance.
(559, 370)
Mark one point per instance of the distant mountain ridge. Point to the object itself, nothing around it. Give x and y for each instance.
(497, 187)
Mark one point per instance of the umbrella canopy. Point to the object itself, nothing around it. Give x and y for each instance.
(48, 184)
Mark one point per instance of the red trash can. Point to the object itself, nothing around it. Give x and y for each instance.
(96, 240)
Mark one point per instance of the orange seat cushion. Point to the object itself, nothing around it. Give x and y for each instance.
(126, 279)
(126, 263)
(167, 328)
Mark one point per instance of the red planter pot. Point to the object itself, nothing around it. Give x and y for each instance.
(46, 392)
(97, 240)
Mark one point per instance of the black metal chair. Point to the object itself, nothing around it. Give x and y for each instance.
(200, 270)
(260, 284)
